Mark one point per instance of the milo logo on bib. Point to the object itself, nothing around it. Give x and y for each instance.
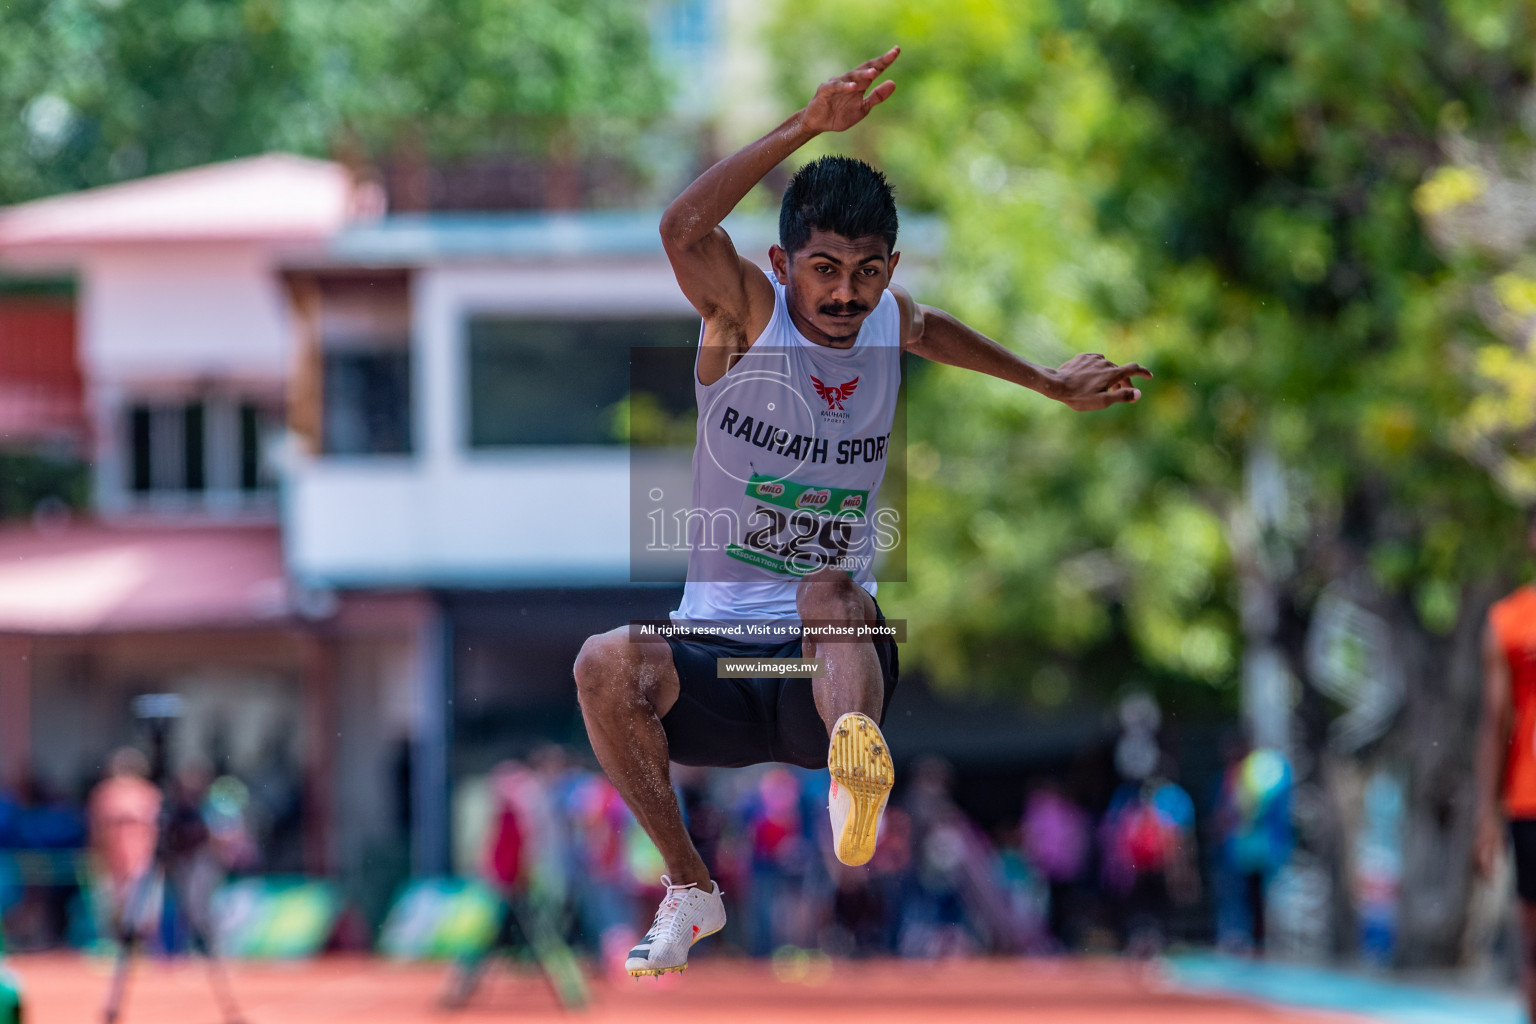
(793, 529)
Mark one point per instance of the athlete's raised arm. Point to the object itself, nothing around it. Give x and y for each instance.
(1084, 382)
(730, 293)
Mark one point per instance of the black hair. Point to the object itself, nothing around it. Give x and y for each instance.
(838, 194)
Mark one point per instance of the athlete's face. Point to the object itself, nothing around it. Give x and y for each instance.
(832, 284)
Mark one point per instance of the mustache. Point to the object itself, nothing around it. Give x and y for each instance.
(843, 309)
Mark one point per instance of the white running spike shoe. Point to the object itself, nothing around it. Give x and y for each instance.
(862, 777)
(685, 916)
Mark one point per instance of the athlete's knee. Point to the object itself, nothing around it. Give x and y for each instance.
(829, 594)
(599, 662)
(610, 671)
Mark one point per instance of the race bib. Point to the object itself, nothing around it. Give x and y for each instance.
(793, 529)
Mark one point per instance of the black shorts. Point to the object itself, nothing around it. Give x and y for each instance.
(1522, 841)
(731, 723)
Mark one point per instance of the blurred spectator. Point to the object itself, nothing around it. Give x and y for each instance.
(867, 902)
(277, 804)
(546, 854)
(125, 832)
(50, 829)
(1056, 844)
(36, 892)
(226, 811)
(192, 866)
(817, 888)
(47, 820)
(952, 906)
(1148, 838)
(703, 815)
(10, 815)
(1254, 840)
(10, 880)
(605, 903)
(778, 853)
(1026, 896)
(857, 924)
(559, 777)
(504, 866)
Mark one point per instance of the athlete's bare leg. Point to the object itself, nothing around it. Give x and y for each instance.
(626, 687)
(852, 680)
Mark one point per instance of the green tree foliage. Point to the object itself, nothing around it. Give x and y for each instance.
(466, 69)
(94, 91)
(1481, 208)
(1223, 192)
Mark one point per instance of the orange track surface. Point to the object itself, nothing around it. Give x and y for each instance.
(68, 990)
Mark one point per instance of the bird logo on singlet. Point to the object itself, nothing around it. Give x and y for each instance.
(837, 394)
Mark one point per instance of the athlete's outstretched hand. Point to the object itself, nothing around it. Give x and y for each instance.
(1089, 381)
(840, 103)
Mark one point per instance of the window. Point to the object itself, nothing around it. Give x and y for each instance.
(368, 401)
(365, 364)
(562, 382)
(206, 446)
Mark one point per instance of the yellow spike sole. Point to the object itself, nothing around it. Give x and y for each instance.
(658, 972)
(860, 763)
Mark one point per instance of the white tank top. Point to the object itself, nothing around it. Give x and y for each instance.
(791, 449)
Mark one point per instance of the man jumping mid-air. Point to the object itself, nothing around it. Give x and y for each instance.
(797, 378)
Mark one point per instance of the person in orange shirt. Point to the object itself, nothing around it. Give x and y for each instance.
(1506, 762)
